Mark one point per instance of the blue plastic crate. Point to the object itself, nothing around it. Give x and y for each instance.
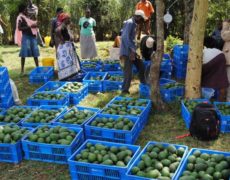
(144, 115)
(207, 93)
(118, 98)
(50, 86)
(166, 56)
(179, 73)
(109, 85)
(166, 65)
(62, 109)
(86, 66)
(81, 170)
(94, 85)
(181, 52)
(186, 115)
(225, 119)
(19, 107)
(57, 122)
(95, 61)
(4, 76)
(2, 111)
(39, 102)
(78, 77)
(41, 75)
(12, 153)
(133, 177)
(165, 74)
(8, 103)
(5, 88)
(144, 91)
(185, 162)
(164, 81)
(53, 153)
(75, 97)
(172, 94)
(113, 135)
(114, 66)
(4, 98)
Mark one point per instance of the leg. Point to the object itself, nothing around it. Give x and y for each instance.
(147, 27)
(36, 61)
(127, 74)
(22, 64)
(141, 70)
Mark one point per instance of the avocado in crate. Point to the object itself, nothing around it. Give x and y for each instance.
(72, 87)
(121, 123)
(96, 77)
(10, 143)
(131, 102)
(158, 161)
(172, 85)
(224, 109)
(11, 134)
(56, 135)
(47, 96)
(111, 77)
(75, 116)
(16, 114)
(120, 110)
(50, 86)
(191, 105)
(205, 164)
(41, 116)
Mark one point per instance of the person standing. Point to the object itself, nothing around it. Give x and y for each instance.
(128, 55)
(54, 24)
(87, 36)
(225, 34)
(148, 9)
(26, 37)
(1, 29)
(67, 59)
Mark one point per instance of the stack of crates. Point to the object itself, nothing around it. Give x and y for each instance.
(180, 60)
(6, 94)
(166, 67)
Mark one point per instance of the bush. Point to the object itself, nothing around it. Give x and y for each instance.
(171, 42)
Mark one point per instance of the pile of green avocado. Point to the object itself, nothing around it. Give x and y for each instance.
(96, 77)
(71, 87)
(15, 114)
(224, 109)
(88, 65)
(102, 154)
(43, 116)
(191, 105)
(111, 62)
(110, 123)
(75, 116)
(130, 102)
(48, 96)
(207, 166)
(172, 85)
(12, 134)
(158, 162)
(53, 135)
(114, 77)
(119, 110)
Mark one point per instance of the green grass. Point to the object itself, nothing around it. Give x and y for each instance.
(162, 126)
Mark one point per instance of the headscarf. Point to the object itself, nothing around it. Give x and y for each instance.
(62, 17)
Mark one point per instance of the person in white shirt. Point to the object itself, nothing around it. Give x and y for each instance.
(214, 72)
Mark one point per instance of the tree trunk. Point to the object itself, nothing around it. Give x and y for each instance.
(156, 59)
(194, 67)
(188, 7)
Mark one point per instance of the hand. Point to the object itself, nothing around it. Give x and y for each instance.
(132, 56)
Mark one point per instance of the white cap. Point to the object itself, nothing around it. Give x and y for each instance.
(149, 42)
(140, 13)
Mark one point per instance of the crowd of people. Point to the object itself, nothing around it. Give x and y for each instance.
(216, 54)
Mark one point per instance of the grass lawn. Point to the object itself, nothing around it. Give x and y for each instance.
(162, 126)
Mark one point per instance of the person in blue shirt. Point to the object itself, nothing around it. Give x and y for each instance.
(128, 55)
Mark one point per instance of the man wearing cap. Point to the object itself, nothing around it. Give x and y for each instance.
(148, 9)
(128, 50)
(54, 41)
(147, 47)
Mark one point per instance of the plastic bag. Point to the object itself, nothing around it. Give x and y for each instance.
(15, 92)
